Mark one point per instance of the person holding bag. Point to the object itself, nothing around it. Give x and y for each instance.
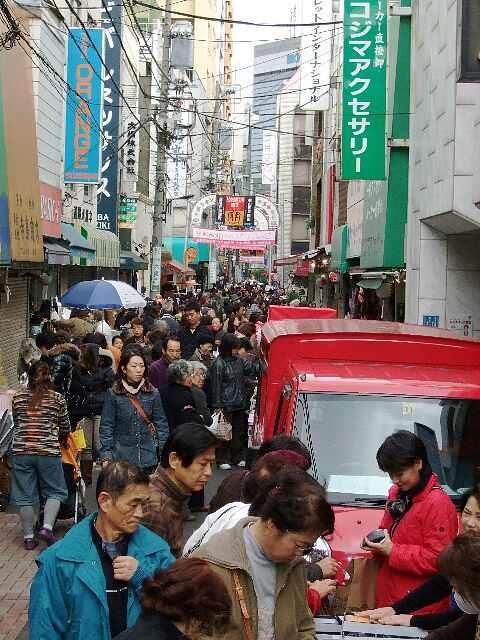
(229, 396)
(133, 426)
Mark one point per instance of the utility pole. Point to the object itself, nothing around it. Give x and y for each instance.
(161, 165)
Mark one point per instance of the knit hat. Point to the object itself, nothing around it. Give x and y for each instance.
(287, 457)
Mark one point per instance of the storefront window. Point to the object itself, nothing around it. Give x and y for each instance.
(470, 47)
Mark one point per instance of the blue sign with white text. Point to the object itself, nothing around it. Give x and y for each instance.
(108, 190)
(84, 106)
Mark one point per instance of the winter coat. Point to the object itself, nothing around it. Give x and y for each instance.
(173, 326)
(225, 518)
(163, 512)
(62, 361)
(96, 385)
(190, 341)
(206, 361)
(179, 405)
(462, 629)
(152, 626)
(229, 490)
(157, 372)
(201, 405)
(292, 618)
(228, 382)
(124, 434)
(68, 599)
(423, 532)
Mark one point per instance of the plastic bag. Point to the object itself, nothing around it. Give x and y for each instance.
(221, 427)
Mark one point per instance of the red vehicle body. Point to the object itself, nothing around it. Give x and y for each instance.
(277, 312)
(342, 386)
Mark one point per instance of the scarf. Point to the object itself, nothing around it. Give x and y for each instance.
(399, 506)
(133, 390)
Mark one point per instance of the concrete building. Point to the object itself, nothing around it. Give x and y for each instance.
(443, 262)
(274, 64)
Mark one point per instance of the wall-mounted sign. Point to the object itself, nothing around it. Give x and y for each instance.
(51, 210)
(461, 325)
(107, 191)
(235, 211)
(317, 52)
(364, 138)
(83, 107)
(431, 321)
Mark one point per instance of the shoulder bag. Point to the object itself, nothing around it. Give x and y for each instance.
(148, 422)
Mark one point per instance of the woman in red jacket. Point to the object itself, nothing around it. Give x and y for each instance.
(419, 521)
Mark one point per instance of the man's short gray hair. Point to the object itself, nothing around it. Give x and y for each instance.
(167, 307)
(179, 371)
(161, 325)
(197, 366)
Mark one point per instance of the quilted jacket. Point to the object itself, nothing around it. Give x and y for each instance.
(423, 532)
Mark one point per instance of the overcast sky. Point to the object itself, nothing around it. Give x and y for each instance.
(256, 11)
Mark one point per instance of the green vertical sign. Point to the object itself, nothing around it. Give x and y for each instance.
(364, 138)
(4, 226)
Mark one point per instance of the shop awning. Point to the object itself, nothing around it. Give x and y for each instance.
(130, 260)
(288, 260)
(303, 269)
(370, 283)
(107, 246)
(338, 260)
(56, 254)
(80, 248)
(177, 267)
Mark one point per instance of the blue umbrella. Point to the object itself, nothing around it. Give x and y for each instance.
(102, 294)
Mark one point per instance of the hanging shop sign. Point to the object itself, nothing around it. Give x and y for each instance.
(4, 226)
(213, 236)
(83, 106)
(235, 244)
(21, 156)
(364, 138)
(51, 210)
(107, 191)
(235, 211)
(131, 150)
(317, 52)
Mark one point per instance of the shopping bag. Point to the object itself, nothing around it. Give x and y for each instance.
(221, 427)
(79, 437)
(359, 593)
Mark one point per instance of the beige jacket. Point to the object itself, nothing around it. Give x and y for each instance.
(293, 620)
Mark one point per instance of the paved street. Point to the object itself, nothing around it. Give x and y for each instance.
(17, 566)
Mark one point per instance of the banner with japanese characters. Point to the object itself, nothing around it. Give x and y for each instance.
(235, 211)
(107, 193)
(316, 55)
(364, 137)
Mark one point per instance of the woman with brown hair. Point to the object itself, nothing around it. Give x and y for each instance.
(40, 421)
(186, 601)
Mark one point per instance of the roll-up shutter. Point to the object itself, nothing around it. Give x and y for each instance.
(79, 274)
(13, 326)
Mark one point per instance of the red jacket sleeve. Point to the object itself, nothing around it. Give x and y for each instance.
(314, 601)
(439, 526)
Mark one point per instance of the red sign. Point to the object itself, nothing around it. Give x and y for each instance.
(235, 211)
(51, 210)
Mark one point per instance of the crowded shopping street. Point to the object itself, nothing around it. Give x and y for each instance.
(239, 319)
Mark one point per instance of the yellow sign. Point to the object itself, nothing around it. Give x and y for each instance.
(24, 211)
(190, 255)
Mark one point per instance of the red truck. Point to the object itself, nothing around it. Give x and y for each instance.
(343, 386)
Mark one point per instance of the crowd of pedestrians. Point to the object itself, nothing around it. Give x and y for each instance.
(146, 389)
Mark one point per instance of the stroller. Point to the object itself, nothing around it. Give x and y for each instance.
(74, 507)
(6, 439)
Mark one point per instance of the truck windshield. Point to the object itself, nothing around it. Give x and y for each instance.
(344, 431)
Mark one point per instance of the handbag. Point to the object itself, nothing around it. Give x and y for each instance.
(221, 427)
(359, 593)
(243, 605)
(148, 422)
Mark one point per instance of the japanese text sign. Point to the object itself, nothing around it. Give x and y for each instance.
(235, 211)
(83, 106)
(317, 51)
(107, 191)
(364, 140)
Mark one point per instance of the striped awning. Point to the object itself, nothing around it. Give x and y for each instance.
(107, 246)
(82, 252)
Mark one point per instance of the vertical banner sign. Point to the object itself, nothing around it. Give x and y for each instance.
(107, 191)
(4, 226)
(316, 55)
(84, 106)
(364, 139)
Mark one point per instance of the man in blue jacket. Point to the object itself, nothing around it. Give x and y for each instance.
(87, 584)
